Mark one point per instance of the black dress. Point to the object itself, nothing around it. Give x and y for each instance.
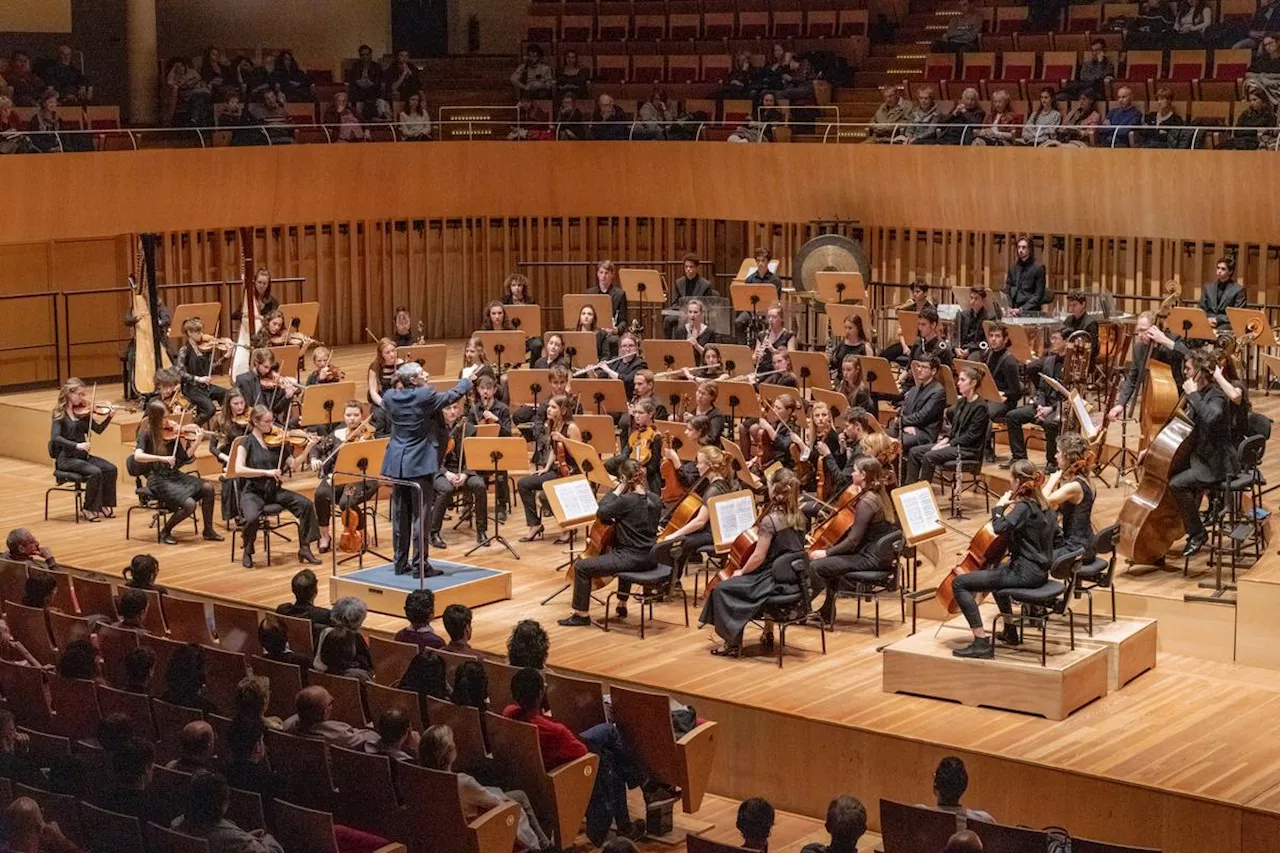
(259, 492)
(170, 486)
(99, 474)
(1077, 521)
(735, 602)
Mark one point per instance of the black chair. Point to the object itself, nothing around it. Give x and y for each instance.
(1052, 598)
(951, 477)
(269, 524)
(886, 577)
(1099, 573)
(795, 609)
(147, 501)
(1246, 526)
(65, 482)
(651, 585)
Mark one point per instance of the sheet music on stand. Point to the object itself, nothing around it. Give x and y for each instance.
(574, 497)
(1087, 427)
(918, 512)
(730, 515)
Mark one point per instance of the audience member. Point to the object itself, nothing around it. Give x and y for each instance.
(1004, 125)
(14, 750)
(570, 124)
(196, 748)
(141, 573)
(1153, 26)
(457, 624)
(1194, 17)
(401, 78)
(797, 82)
(573, 79)
(275, 644)
(924, 118)
(426, 675)
(29, 832)
(348, 614)
(79, 661)
(1268, 61)
(608, 121)
(139, 667)
(1040, 124)
(1122, 118)
(1255, 124)
(339, 654)
(654, 116)
(760, 127)
(290, 80)
(438, 751)
(534, 78)
(38, 591)
(21, 546)
(846, 823)
(1161, 128)
(192, 98)
(1079, 127)
(1265, 20)
(950, 781)
(755, 822)
(273, 115)
(246, 764)
(364, 84)
(313, 708)
(127, 791)
(67, 80)
(889, 115)
(305, 586)
(963, 30)
(252, 697)
(964, 841)
(208, 797)
(532, 122)
(114, 731)
(741, 82)
(1093, 74)
(215, 71)
(528, 645)
(420, 609)
(132, 608)
(27, 88)
(396, 738)
(341, 121)
(415, 122)
(233, 114)
(471, 686)
(184, 680)
(958, 128)
(46, 125)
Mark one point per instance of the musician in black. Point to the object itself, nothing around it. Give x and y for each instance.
(196, 365)
(971, 331)
(162, 460)
(488, 409)
(1213, 457)
(553, 353)
(1222, 293)
(323, 458)
(853, 342)
(633, 510)
(775, 337)
(854, 386)
(1078, 320)
(629, 363)
(536, 416)
(1025, 284)
(402, 336)
(691, 285)
(704, 405)
(495, 319)
(714, 477)
(965, 425)
(928, 343)
(262, 385)
(69, 445)
(1149, 342)
(697, 433)
(643, 444)
(606, 282)
(1045, 408)
(260, 470)
(898, 352)
(1025, 518)
(760, 275)
(920, 417)
(1002, 364)
(452, 476)
(325, 372)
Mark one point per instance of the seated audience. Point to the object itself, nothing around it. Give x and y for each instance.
(1255, 124)
(79, 661)
(252, 696)
(139, 668)
(15, 762)
(273, 115)
(341, 121)
(396, 738)
(185, 679)
(67, 80)
(288, 78)
(532, 122)
(1080, 123)
(889, 115)
(426, 675)
(46, 125)
(760, 127)
(570, 124)
(313, 708)
(246, 763)
(339, 654)
(38, 591)
(457, 624)
(1121, 119)
(21, 546)
(528, 645)
(141, 573)
(846, 823)
(655, 113)
(305, 587)
(29, 832)
(26, 88)
(208, 798)
(1092, 75)
(364, 84)
(420, 609)
(741, 82)
(1039, 129)
(471, 687)
(534, 78)
(608, 121)
(964, 841)
(1160, 126)
(348, 615)
(963, 30)
(1268, 60)
(415, 122)
(1194, 17)
(958, 128)
(233, 114)
(402, 79)
(755, 822)
(573, 79)
(797, 82)
(275, 644)
(128, 791)
(924, 118)
(196, 748)
(950, 781)
(193, 99)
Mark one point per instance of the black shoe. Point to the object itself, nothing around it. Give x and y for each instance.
(827, 612)
(501, 515)
(168, 538)
(429, 573)
(575, 621)
(211, 535)
(305, 556)
(1005, 466)
(980, 648)
(620, 611)
(1194, 544)
(1009, 636)
(438, 543)
(481, 536)
(402, 570)
(989, 456)
(247, 560)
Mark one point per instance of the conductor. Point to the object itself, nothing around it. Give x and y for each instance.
(413, 457)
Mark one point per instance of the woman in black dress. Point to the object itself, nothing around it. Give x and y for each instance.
(853, 385)
(714, 472)
(381, 377)
(695, 328)
(515, 290)
(162, 460)
(852, 342)
(1069, 491)
(552, 353)
(69, 446)
(558, 427)
(768, 572)
(260, 470)
(231, 422)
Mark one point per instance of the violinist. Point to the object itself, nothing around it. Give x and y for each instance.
(197, 359)
(965, 425)
(712, 368)
(831, 452)
(553, 354)
(767, 572)
(475, 363)
(325, 370)
(552, 460)
(258, 302)
(402, 333)
(1024, 516)
(488, 409)
(853, 342)
(643, 444)
(260, 469)
(1213, 458)
(971, 324)
(920, 417)
(774, 338)
(695, 329)
(381, 378)
(163, 450)
(704, 406)
(1044, 409)
(629, 363)
(322, 459)
(853, 385)
(272, 332)
(643, 385)
(873, 518)
(612, 326)
(633, 510)
(714, 470)
(588, 322)
(536, 416)
(496, 320)
(452, 476)
(1069, 491)
(1078, 320)
(231, 422)
(774, 441)
(1002, 364)
(1149, 341)
(73, 416)
(168, 390)
(262, 385)
(697, 432)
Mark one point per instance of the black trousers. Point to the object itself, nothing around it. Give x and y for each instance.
(1004, 576)
(184, 509)
(828, 571)
(923, 460)
(205, 398)
(998, 411)
(1019, 417)
(617, 560)
(529, 486)
(99, 480)
(346, 496)
(1188, 488)
(444, 490)
(252, 502)
(408, 517)
(895, 352)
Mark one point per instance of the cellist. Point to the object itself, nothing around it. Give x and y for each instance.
(1024, 516)
(873, 517)
(1071, 494)
(715, 479)
(633, 511)
(1212, 454)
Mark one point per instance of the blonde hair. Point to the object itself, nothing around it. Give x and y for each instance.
(716, 460)
(64, 393)
(437, 750)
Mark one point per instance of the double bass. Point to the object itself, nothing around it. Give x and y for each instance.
(1150, 521)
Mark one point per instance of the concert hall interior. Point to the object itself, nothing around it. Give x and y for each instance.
(744, 425)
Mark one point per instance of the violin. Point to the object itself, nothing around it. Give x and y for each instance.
(279, 437)
(188, 432)
(640, 442)
(178, 404)
(209, 343)
(274, 380)
(364, 432)
(562, 460)
(98, 410)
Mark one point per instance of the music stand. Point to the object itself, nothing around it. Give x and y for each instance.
(812, 369)
(208, 312)
(836, 287)
(673, 436)
(879, 375)
(322, 404)
(302, 317)
(507, 455)
(597, 431)
(836, 402)
(644, 288)
(907, 327)
(606, 395)
(750, 298)
(1272, 364)
(674, 391)
(836, 314)
(1019, 338)
(1191, 323)
(738, 514)
(431, 356)
(1245, 322)
(987, 389)
(738, 359)
(663, 355)
(573, 504)
(581, 347)
(505, 349)
(288, 357)
(588, 461)
(601, 302)
(526, 319)
(739, 397)
(738, 463)
(359, 462)
(442, 386)
(948, 380)
(528, 387)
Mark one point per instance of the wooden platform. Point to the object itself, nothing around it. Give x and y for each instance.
(389, 599)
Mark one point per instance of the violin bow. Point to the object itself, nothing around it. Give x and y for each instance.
(93, 400)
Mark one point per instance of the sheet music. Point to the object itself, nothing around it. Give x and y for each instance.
(919, 513)
(1087, 425)
(576, 499)
(735, 516)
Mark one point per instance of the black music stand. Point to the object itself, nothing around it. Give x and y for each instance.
(747, 298)
(508, 455)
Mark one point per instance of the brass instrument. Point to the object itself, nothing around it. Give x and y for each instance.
(1078, 360)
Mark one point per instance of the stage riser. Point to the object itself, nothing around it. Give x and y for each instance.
(390, 600)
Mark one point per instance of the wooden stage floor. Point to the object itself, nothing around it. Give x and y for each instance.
(1180, 758)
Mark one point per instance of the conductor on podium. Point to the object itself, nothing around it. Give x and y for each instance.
(413, 456)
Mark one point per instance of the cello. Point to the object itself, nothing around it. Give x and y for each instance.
(740, 550)
(1149, 519)
(689, 506)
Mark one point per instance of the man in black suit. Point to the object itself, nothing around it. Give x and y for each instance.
(1212, 458)
(1078, 320)
(1025, 284)
(967, 430)
(615, 324)
(920, 417)
(1044, 409)
(691, 285)
(929, 343)
(1222, 293)
(971, 330)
